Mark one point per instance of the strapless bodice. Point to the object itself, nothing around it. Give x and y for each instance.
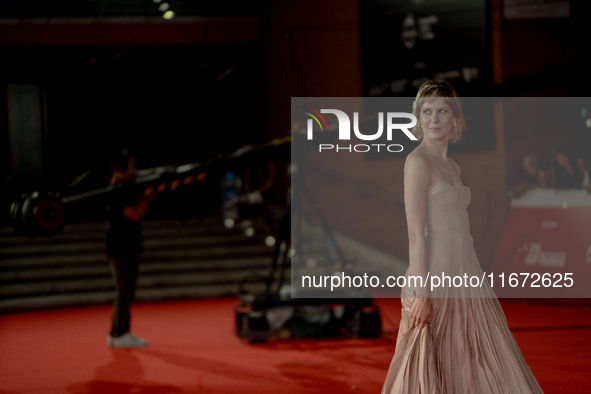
(447, 210)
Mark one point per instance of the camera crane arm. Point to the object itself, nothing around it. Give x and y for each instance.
(44, 213)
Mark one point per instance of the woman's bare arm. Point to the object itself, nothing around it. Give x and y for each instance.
(417, 179)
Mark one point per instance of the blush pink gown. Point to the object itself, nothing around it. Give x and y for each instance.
(466, 347)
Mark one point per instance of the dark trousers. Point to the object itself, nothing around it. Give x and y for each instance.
(125, 274)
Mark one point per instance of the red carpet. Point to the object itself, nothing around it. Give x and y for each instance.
(193, 349)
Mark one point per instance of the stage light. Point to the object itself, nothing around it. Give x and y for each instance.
(270, 240)
(229, 222)
(157, 1)
(163, 7)
(588, 123)
(249, 231)
(168, 15)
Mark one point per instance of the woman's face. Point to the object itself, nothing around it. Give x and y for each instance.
(436, 119)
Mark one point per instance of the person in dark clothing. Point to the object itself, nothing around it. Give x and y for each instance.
(124, 244)
(530, 176)
(566, 173)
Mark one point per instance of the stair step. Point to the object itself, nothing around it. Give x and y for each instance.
(105, 282)
(102, 269)
(181, 259)
(106, 297)
(34, 249)
(64, 260)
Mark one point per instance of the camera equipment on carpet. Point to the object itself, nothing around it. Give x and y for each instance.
(274, 314)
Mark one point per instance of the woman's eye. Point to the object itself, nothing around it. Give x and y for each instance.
(443, 111)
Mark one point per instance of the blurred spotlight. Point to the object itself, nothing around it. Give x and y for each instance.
(168, 15)
(157, 1)
(249, 231)
(175, 184)
(584, 112)
(163, 7)
(201, 176)
(588, 123)
(270, 240)
(229, 222)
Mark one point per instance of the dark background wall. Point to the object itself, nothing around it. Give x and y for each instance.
(221, 75)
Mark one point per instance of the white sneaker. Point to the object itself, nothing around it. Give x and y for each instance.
(125, 341)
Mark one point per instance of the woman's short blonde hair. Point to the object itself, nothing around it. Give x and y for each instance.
(431, 90)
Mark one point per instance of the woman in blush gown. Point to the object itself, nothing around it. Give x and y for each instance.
(451, 340)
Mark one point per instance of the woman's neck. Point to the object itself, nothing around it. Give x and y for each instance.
(436, 148)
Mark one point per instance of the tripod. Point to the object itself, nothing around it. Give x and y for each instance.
(350, 316)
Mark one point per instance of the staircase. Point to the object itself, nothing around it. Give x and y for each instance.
(182, 259)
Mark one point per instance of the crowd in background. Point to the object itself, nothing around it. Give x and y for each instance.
(567, 168)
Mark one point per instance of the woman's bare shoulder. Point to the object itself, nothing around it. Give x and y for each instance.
(417, 163)
(417, 158)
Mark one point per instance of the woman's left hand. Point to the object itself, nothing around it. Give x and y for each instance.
(420, 312)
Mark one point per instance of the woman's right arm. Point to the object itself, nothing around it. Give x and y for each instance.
(417, 179)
